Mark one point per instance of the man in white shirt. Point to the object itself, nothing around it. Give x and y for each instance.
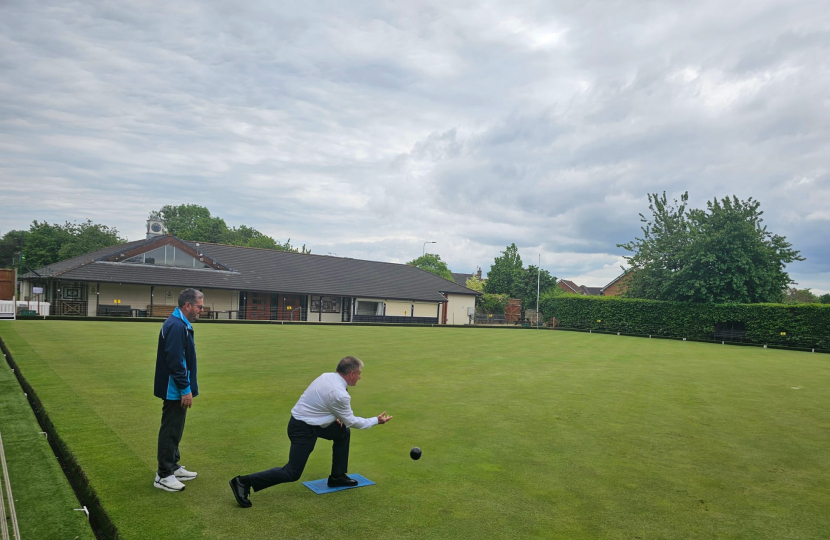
(323, 411)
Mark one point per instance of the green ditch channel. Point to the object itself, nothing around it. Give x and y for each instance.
(102, 526)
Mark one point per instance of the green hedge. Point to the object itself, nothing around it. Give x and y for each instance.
(801, 325)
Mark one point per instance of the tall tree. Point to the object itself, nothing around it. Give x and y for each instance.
(799, 296)
(824, 298)
(525, 283)
(504, 271)
(720, 254)
(249, 237)
(659, 253)
(474, 284)
(11, 243)
(195, 223)
(87, 237)
(49, 243)
(433, 264)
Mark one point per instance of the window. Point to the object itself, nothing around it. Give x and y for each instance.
(167, 256)
(325, 304)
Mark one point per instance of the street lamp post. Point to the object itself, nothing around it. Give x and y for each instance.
(424, 251)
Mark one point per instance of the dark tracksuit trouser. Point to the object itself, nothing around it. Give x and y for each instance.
(303, 438)
(170, 435)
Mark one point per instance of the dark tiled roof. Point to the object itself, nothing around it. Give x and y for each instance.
(581, 289)
(59, 268)
(461, 279)
(570, 284)
(266, 270)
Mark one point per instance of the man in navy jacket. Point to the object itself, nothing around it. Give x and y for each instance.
(176, 384)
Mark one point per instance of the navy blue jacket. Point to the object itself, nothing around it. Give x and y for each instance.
(176, 359)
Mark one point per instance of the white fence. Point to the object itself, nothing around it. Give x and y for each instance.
(7, 308)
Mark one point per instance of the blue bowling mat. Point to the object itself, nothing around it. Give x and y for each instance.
(321, 486)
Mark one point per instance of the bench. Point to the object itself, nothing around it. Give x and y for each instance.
(115, 311)
(166, 311)
(486, 318)
(730, 335)
(160, 311)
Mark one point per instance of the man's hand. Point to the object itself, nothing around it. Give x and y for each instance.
(187, 400)
(383, 418)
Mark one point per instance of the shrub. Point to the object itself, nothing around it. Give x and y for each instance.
(491, 303)
(802, 325)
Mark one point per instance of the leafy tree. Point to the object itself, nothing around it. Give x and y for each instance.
(193, 222)
(824, 298)
(495, 304)
(248, 237)
(288, 247)
(504, 271)
(49, 243)
(720, 254)
(732, 257)
(524, 285)
(43, 243)
(799, 296)
(433, 264)
(659, 253)
(11, 243)
(196, 224)
(87, 237)
(475, 284)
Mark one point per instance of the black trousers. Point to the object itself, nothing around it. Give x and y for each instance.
(303, 438)
(170, 435)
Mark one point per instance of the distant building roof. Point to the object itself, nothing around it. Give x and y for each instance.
(242, 268)
(461, 279)
(579, 289)
(616, 279)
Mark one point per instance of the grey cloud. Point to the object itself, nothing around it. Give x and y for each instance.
(367, 129)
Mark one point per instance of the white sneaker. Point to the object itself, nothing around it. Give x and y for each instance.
(168, 484)
(183, 474)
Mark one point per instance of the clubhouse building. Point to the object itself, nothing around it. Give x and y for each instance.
(144, 279)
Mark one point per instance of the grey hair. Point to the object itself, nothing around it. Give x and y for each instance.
(189, 295)
(348, 364)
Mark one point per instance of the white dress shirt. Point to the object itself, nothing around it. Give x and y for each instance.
(325, 400)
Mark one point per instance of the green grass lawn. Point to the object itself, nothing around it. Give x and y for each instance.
(43, 500)
(525, 433)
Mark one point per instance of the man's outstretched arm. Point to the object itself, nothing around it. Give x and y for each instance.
(342, 409)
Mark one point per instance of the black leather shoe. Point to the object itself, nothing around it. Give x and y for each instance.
(341, 481)
(240, 492)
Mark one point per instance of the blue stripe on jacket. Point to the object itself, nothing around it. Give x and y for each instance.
(173, 391)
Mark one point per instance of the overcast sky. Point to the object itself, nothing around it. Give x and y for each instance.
(367, 128)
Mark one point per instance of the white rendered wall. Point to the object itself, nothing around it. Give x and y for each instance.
(457, 308)
(426, 309)
(397, 308)
(324, 317)
(138, 297)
